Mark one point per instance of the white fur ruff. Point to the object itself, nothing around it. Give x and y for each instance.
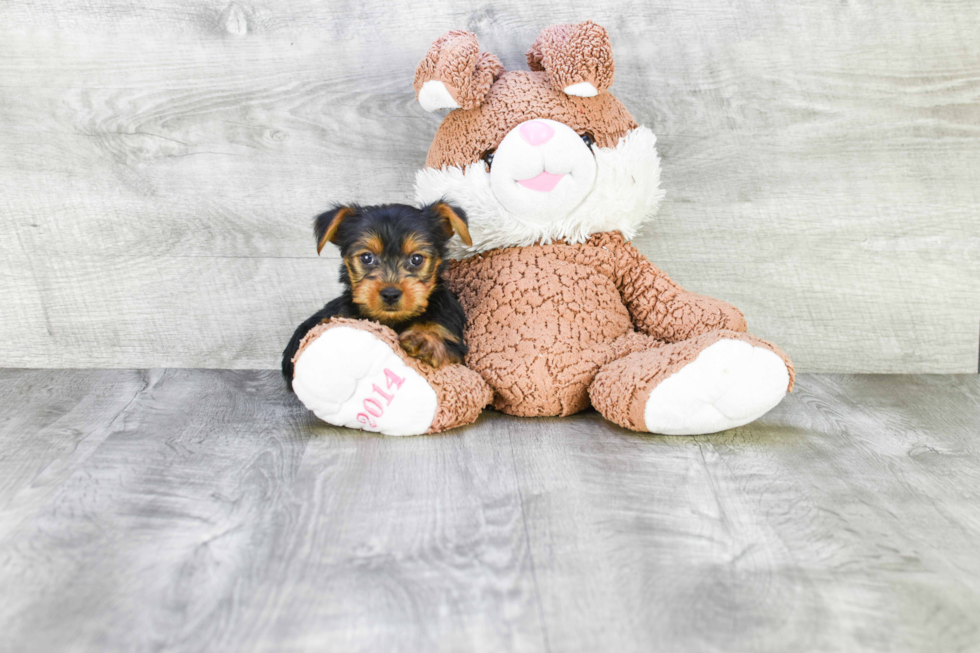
(626, 195)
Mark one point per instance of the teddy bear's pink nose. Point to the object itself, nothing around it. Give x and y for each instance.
(536, 132)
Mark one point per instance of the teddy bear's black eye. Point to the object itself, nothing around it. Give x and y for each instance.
(588, 139)
(416, 260)
(488, 158)
(367, 259)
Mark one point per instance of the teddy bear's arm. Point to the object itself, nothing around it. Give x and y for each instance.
(660, 307)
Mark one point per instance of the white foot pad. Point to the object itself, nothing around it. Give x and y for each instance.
(347, 377)
(729, 384)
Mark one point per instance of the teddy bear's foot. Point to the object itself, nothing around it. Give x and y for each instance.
(353, 373)
(729, 384)
(715, 382)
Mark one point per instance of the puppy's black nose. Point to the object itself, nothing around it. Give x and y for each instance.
(390, 295)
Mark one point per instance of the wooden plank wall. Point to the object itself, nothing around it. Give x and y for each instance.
(160, 163)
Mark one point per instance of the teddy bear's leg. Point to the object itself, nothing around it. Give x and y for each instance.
(353, 373)
(712, 382)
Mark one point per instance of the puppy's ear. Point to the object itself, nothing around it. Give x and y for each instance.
(325, 225)
(453, 220)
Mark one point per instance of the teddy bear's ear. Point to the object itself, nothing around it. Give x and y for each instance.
(578, 58)
(454, 74)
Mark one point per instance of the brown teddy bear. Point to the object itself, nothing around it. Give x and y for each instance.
(562, 311)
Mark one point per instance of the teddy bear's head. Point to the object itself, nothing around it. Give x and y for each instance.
(535, 155)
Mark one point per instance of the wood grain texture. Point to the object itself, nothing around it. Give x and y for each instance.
(196, 510)
(160, 165)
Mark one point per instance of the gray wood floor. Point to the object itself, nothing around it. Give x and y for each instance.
(199, 510)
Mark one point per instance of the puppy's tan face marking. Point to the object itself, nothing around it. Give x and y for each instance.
(377, 269)
(358, 265)
(421, 258)
(413, 243)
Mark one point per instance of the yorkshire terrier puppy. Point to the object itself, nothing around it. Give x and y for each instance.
(393, 260)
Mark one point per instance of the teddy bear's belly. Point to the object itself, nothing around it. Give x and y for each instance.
(538, 327)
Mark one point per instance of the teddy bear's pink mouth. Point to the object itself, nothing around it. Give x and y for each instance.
(543, 182)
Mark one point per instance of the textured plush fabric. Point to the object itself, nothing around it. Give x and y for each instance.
(621, 389)
(518, 96)
(460, 392)
(542, 198)
(543, 320)
(660, 306)
(455, 60)
(572, 54)
(617, 201)
(567, 313)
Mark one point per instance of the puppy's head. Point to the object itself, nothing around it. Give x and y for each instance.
(393, 253)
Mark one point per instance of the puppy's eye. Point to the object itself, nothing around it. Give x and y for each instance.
(367, 259)
(488, 158)
(588, 139)
(416, 260)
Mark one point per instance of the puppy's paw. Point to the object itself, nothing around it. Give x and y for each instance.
(427, 342)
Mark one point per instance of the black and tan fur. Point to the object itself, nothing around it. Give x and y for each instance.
(393, 260)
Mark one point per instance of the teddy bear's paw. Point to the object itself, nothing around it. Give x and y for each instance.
(729, 384)
(348, 377)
